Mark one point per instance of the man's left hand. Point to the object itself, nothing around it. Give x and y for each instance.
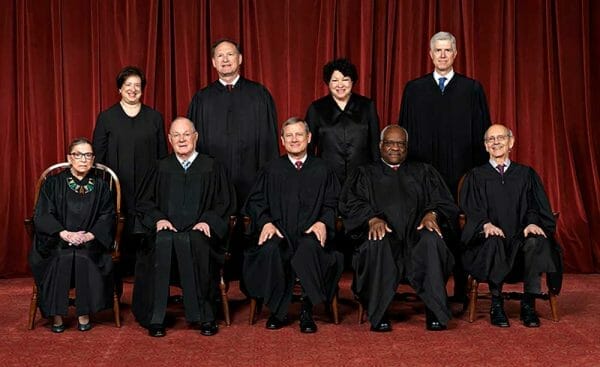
(533, 229)
(320, 231)
(202, 227)
(429, 221)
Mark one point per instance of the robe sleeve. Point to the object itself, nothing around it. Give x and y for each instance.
(312, 119)
(257, 204)
(46, 215)
(474, 203)
(161, 147)
(223, 203)
(373, 131)
(330, 202)
(538, 205)
(268, 148)
(480, 123)
(100, 139)
(439, 198)
(355, 201)
(103, 227)
(147, 209)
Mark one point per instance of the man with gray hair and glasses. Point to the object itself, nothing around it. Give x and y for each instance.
(509, 231)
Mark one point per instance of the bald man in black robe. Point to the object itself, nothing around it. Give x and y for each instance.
(397, 207)
(509, 231)
(186, 203)
(293, 207)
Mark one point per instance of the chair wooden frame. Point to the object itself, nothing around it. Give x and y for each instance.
(120, 221)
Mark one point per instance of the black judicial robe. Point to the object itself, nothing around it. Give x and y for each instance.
(200, 194)
(401, 198)
(293, 200)
(238, 128)
(55, 265)
(345, 138)
(510, 202)
(446, 129)
(129, 146)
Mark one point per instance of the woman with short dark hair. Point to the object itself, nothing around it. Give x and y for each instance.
(74, 223)
(344, 125)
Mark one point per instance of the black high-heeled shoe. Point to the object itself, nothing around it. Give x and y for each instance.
(57, 328)
(84, 327)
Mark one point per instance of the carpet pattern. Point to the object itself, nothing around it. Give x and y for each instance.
(574, 341)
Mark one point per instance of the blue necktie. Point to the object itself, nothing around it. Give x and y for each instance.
(186, 164)
(441, 82)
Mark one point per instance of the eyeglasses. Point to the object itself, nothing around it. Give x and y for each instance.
(185, 136)
(79, 156)
(390, 143)
(497, 138)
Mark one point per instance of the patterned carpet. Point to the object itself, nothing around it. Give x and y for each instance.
(574, 341)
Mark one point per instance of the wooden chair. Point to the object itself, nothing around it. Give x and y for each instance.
(108, 175)
(256, 309)
(223, 285)
(473, 284)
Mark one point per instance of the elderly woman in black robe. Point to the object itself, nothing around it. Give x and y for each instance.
(74, 222)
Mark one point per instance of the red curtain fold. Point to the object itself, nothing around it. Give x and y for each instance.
(534, 58)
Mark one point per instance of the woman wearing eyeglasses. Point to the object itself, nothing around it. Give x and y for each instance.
(129, 137)
(74, 223)
(344, 125)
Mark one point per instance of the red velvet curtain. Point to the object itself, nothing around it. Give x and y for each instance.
(534, 57)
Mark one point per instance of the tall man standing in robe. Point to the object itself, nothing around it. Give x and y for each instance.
(509, 231)
(445, 114)
(186, 203)
(293, 206)
(237, 123)
(396, 207)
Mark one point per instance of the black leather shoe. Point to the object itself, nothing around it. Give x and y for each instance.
(209, 328)
(57, 328)
(528, 314)
(84, 327)
(432, 323)
(157, 330)
(307, 324)
(382, 326)
(497, 314)
(273, 323)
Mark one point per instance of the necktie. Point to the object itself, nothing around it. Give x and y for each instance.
(229, 87)
(500, 169)
(298, 165)
(441, 82)
(395, 168)
(186, 164)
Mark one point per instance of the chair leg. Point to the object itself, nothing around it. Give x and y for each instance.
(224, 300)
(116, 309)
(334, 309)
(361, 313)
(32, 308)
(252, 311)
(553, 306)
(472, 297)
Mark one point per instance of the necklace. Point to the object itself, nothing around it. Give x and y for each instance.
(81, 189)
